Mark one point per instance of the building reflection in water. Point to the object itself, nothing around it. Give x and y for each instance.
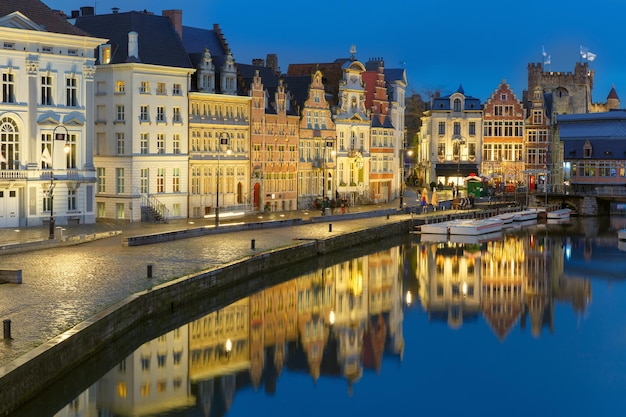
(337, 322)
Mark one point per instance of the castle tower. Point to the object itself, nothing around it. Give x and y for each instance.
(571, 92)
(612, 100)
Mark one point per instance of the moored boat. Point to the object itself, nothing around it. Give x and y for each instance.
(559, 214)
(505, 217)
(525, 215)
(476, 227)
(436, 228)
(621, 234)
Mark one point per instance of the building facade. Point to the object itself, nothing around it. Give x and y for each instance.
(141, 120)
(452, 133)
(47, 173)
(503, 137)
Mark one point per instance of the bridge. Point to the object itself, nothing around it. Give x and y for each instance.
(594, 202)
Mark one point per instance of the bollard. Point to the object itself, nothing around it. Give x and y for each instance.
(387, 216)
(149, 270)
(252, 242)
(7, 328)
(330, 227)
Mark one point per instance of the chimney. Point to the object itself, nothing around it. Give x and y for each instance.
(176, 16)
(87, 11)
(258, 62)
(75, 14)
(133, 44)
(115, 10)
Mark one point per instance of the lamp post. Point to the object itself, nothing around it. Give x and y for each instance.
(405, 152)
(328, 143)
(66, 148)
(224, 140)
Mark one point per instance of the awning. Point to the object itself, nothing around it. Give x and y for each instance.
(455, 170)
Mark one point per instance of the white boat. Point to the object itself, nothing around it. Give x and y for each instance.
(506, 218)
(559, 214)
(621, 234)
(436, 228)
(466, 239)
(476, 227)
(525, 215)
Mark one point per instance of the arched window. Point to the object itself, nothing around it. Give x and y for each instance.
(9, 144)
(457, 104)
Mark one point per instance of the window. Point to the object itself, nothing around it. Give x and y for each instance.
(70, 156)
(176, 90)
(120, 87)
(144, 87)
(160, 143)
(160, 180)
(472, 128)
(46, 149)
(8, 88)
(71, 200)
(176, 180)
(143, 143)
(143, 181)
(102, 181)
(160, 114)
(160, 88)
(119, 211)
(176, 117)
(119, 113)
(442, 128)
(46, 90)
(457, 128)
(71, 92)
(105, 54)
(120, 143)
(72, 52)
(176, 143)
(119, 180)
(457, 105)
(9, 45)
(144, 115)
(537, 117)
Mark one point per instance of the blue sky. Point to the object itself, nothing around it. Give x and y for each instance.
(441, 45)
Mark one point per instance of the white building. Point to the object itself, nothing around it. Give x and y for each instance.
(47, 68)
(141, 120)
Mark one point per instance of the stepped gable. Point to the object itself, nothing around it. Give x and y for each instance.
(156, 35)
(50, 20)
(196, 40)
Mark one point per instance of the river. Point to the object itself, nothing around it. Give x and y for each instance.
(530, 322)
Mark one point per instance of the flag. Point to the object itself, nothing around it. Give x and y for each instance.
(591, 56)
(543, 52)
(583, 52)
(546, 60)
(46, 157)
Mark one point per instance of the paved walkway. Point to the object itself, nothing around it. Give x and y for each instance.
(63, 286)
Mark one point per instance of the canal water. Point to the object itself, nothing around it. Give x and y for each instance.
(529, 322)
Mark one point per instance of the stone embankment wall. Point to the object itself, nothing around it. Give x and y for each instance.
(28, 377)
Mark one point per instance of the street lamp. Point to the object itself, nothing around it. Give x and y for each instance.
(224, 140)
(328, 143)
(405, 152)
(66, 148)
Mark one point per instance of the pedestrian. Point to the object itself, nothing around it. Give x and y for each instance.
(434, 200)
(454, 191)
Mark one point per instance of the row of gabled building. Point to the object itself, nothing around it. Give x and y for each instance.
(553, 137)
(160, 122)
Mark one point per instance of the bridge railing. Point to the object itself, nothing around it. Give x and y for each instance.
(610, 192)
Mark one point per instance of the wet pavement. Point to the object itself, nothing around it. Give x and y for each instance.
(62, 286)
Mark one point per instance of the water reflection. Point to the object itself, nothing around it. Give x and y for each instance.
(344, 319)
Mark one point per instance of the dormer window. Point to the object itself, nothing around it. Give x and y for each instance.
(105, 54)
(587, 150)
(457, 105)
